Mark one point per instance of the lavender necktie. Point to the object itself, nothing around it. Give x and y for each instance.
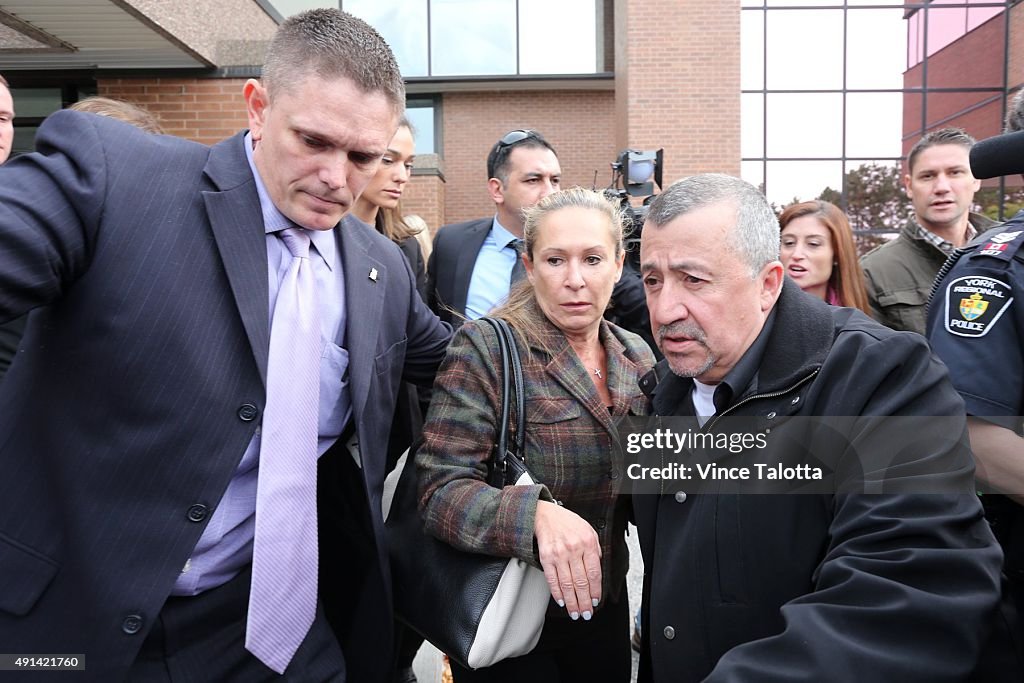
(282, 598)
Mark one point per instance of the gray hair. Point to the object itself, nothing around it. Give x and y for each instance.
(1015, 114)
(755, 237)
(333, 44)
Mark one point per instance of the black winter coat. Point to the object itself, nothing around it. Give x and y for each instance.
(831, 587)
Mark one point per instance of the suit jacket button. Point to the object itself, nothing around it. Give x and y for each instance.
(197, 513)
(248, 412)
(132, 624)
(600, 524)
(680, 496)
(614, 474)
(669, 632)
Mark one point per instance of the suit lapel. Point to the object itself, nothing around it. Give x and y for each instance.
(364, 308)
(237, 223)
(475, 237)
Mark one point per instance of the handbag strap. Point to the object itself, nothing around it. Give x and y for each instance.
(511, 383)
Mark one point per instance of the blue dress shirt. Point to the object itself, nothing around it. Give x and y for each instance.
(488, 285)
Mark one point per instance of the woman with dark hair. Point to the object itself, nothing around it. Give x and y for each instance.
(380, 204)
(580, 374)
(818, 252)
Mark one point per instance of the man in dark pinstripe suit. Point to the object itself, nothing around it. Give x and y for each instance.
(130, 443)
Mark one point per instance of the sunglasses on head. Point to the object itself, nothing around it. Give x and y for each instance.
(515, 137)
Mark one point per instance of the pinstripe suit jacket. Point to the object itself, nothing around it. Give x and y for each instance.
(570, 440)
(141, 381)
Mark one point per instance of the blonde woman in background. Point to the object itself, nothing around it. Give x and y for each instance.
(422, 234)
(120, 110)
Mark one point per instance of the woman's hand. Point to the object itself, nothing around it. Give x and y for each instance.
(570, 554)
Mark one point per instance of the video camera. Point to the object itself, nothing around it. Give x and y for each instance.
(635, 174)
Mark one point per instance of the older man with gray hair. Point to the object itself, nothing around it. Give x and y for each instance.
(825, 586)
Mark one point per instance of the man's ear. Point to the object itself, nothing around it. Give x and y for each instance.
(771, 278)
(256, 104)
(495, 189)
(906, 186)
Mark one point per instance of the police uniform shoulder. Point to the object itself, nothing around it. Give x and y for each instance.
(1001, 243)
(976, 291)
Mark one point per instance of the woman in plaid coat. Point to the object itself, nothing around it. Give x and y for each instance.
(581, 374)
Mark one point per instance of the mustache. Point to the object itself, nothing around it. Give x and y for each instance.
(687, 328)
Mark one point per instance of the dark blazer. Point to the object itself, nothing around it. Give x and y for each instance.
(450, 267)
(570, 443)
(142, 381)
(801, 587)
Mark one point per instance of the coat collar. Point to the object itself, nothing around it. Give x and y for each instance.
(233, 208)
(564, 367)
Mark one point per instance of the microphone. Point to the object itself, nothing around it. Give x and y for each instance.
(998, 156)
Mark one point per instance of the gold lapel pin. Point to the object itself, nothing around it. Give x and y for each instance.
(373, 274)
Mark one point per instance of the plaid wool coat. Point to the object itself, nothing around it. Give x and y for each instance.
(569, 446)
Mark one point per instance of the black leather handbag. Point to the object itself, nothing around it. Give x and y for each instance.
(475, 608)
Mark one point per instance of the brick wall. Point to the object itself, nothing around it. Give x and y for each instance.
(1016, 55)
(205, 110)
(678, 83)
(579, 124)
(425, 193)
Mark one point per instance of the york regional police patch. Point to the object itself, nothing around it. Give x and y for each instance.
(974, 304)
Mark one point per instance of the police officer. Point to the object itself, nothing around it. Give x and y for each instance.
(976, 326)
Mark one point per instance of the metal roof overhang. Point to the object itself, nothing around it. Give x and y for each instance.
(58, 35)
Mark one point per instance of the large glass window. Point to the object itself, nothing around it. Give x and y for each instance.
(470, 37)
(423, 114)
(835, 92)
(286, 8)
(453, 38)
(404, 27)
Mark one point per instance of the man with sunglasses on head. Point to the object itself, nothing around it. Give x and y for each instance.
(471, 266)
